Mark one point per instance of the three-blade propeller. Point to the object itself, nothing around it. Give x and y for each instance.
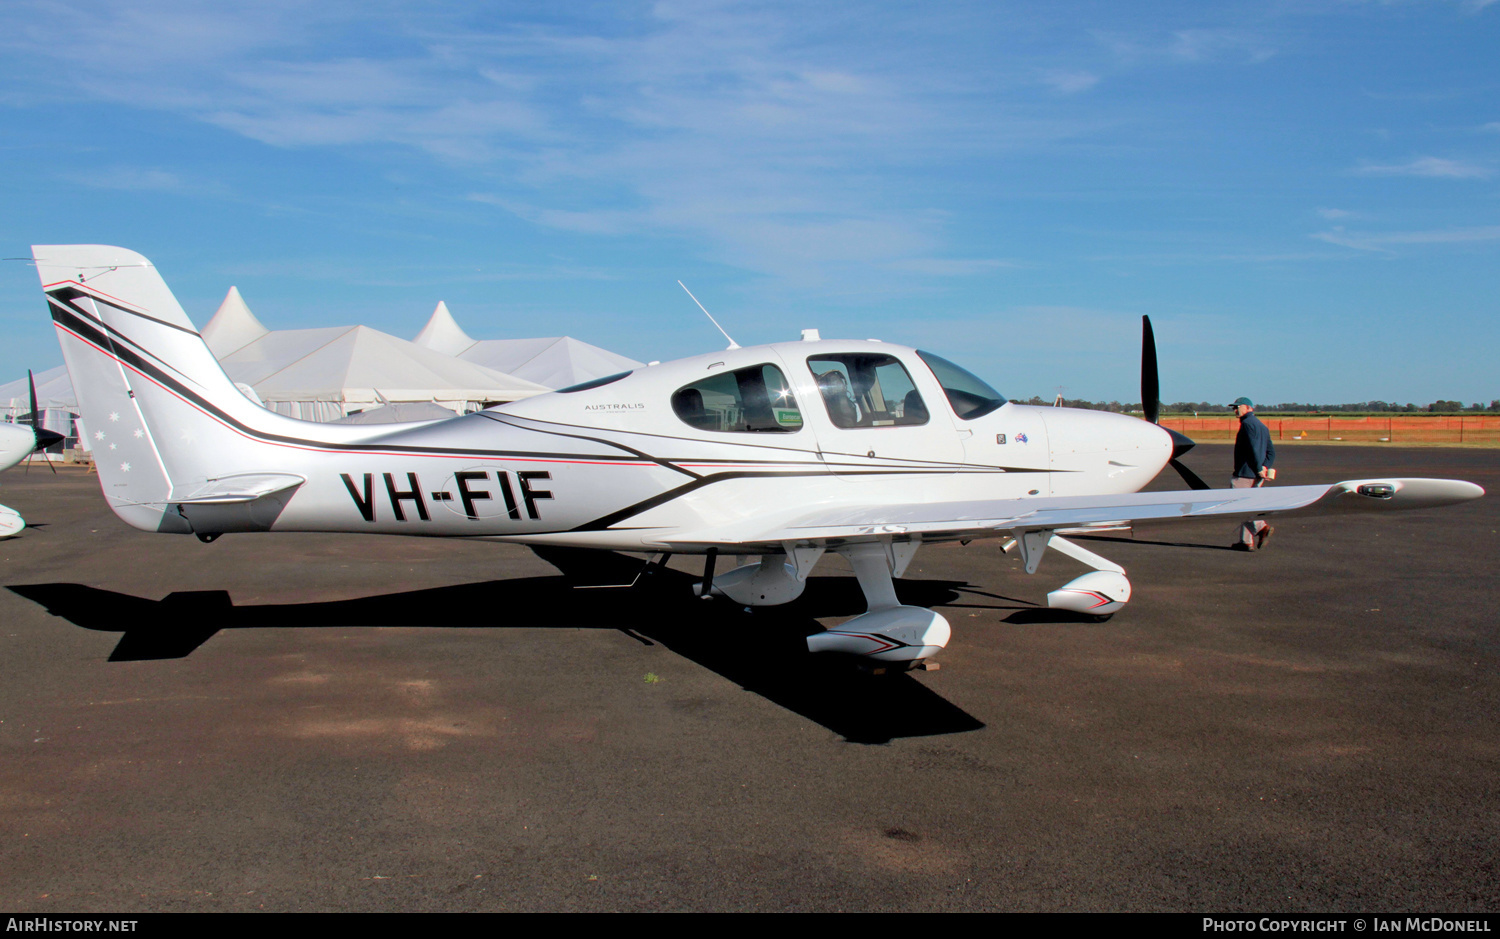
(44, 437)
(1151, 402)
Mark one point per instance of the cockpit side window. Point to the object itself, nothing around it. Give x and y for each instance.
(867, 390)
(747, 400)
(969, 395)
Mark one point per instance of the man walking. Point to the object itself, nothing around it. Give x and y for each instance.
(1254, 456)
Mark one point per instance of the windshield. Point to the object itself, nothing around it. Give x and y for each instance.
(969, 395)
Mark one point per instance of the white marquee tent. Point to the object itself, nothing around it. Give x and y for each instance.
(326, 373)
(54, 391)
(556, 362)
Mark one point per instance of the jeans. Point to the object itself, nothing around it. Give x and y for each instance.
(1250, 529)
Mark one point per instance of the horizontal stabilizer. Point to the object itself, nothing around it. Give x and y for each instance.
(245, 487)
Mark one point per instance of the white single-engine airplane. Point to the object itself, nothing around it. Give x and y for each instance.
(776, 453)
(18, 442)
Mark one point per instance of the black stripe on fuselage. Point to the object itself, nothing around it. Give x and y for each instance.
(920, 466)
(83, 326)
(662, 498)
(619, 515)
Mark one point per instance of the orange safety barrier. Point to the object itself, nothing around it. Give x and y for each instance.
(1406, 428)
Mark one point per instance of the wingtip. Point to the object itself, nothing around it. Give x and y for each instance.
(1417, 493)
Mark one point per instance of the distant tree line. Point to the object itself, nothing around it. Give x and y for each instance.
(1362, 407)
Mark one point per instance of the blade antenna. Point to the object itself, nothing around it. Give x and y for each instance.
(732, 343)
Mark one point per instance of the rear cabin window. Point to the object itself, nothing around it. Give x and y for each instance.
(747, 400)
(970, 396)
(867, 390)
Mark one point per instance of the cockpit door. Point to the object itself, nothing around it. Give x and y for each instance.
(875, 414)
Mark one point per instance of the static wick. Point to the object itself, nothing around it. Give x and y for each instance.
(732, 343)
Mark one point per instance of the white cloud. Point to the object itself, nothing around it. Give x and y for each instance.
(835, 82)
(1433, 167)
(137, 179)
(1189, 45)
(1070, 82)
(1202, 45)
(723, 125)
(954, 267)
(1468, 6)
(1247, 257)
(1382, 241)
(592, 222)
(131, 180)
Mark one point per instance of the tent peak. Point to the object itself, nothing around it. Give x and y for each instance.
(233, 327)
(442, 333)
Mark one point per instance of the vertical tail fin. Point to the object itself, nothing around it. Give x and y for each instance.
(162, 418)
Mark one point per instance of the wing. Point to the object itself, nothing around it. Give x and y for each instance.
(981, 517)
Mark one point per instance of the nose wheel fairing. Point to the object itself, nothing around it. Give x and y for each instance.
(1097, 593)
(1101, 592)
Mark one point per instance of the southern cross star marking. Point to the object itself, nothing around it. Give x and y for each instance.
(114, 415)
(125, 467)
(98, 435)
(139, 433)
(111, 446)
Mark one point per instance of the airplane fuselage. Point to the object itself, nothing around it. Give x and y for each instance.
(619, 465)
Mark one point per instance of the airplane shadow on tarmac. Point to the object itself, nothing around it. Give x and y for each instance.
(763, 651)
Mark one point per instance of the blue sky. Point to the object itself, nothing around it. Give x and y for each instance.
(1303, 196)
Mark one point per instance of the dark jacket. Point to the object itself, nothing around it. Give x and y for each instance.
(1252, 447)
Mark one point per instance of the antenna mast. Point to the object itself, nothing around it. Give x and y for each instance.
(732, 343)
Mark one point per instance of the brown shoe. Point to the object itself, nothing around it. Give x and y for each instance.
(1264, 535)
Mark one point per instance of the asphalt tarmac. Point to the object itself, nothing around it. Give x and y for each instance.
(322, 722)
